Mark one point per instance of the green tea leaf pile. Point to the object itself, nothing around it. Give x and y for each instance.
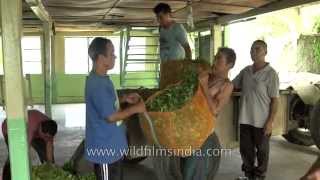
(53, 172)
(174, 97)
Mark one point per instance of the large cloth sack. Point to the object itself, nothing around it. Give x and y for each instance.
(183, 130)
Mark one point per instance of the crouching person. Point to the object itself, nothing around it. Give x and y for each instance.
(41, 132)
(105, 137)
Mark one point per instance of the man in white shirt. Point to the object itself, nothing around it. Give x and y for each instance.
(259, 84)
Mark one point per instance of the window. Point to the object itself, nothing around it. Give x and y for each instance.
(31, 55)
(137, 50)
(77, 60)
(76, 56)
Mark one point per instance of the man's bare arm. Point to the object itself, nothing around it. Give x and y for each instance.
(273, 108)
(272, 114)
(209, 99)
(125, 113)
(222, 98)
(49, 152)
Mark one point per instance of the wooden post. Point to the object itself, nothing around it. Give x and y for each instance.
(217, 37)
(47, 71)
(11, 23)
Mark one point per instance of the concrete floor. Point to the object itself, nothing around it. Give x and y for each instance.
(287, 161)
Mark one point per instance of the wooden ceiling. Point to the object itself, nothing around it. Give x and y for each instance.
(137, 12)
(114, 14)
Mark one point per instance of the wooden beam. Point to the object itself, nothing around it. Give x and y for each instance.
(80, 3)
(80, 12)
(242, 3)
(274, 6)
(77, 18)
(151, 4)
(94, 29)
(215, 7)
(212, 46)
(32, 23)
(163, 1)
(11, 25)
(29, 15)
(220, 8)
(224, 4)
(116, 2)
(47, 66)
(131, 13)
(217, 38)
(38, 8)
(122, 40)
(197, 15)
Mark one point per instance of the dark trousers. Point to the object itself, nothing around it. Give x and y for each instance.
(199, 167)
(40, 147)
(188, 168)
(112, 171)
(254, 145)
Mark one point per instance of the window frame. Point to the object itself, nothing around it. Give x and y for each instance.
(88, 60)
(41, 47)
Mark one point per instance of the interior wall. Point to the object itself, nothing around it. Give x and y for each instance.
(69, 88)
(66, 88)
